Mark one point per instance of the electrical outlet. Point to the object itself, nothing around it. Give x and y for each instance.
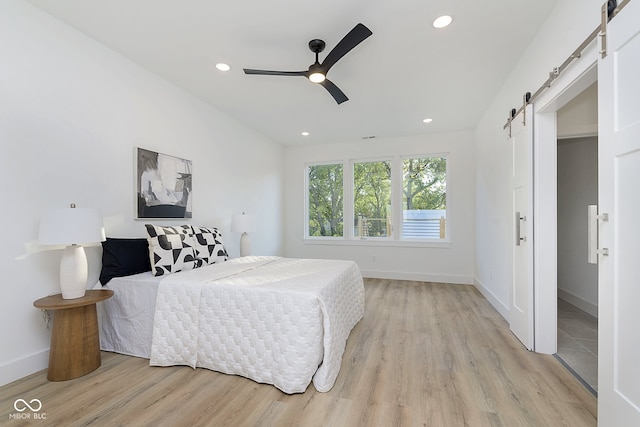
(373, 258)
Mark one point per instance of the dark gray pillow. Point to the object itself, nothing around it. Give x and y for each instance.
(124, 257)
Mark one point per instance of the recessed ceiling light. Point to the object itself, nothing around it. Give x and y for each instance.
(304, 133)
(222, 66)
(427, 120)
(442, 21)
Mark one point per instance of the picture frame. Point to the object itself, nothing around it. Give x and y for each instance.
(164, 185)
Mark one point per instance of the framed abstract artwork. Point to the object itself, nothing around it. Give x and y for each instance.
(164, 185)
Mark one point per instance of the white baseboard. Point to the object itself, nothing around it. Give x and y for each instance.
(20, 368)
(582, 304)
(419, 277)
(493, 300)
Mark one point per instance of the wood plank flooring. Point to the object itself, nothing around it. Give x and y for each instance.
(425, 354)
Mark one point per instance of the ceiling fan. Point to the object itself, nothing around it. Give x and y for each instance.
(317, 72)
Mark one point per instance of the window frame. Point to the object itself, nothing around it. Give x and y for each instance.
(401, 201)
(396, 237)
(352, 219)
(306, 200)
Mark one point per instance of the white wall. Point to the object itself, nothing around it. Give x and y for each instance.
(577, 188)
(71, 114)
(565, 29)
(444, 263)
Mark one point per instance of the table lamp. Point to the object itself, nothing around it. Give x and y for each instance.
(243, 223)
(73, 227)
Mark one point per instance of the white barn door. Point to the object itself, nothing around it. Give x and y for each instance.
(619, 197)
(521, 307)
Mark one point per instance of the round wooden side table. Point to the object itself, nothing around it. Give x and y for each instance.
(75, 343)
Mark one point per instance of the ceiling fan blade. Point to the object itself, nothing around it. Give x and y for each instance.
(274, 73)
(335, 91)
(348, 42)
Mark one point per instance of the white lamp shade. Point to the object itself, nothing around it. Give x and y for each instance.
(243, 223)
(71, 226)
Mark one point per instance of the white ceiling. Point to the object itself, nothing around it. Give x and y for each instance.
(406, 71)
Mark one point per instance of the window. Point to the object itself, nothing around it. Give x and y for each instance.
(424, 198)
(325, 200)
(372, 199)
(393, 200)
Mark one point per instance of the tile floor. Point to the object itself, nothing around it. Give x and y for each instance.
(578, 342)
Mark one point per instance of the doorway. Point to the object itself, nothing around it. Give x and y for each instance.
(577, 280)
(564, 118)
(553, 123)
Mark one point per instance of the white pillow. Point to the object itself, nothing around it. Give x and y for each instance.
(208, 244)
(171, 249)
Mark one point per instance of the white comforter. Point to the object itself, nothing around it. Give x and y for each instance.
(275, 320)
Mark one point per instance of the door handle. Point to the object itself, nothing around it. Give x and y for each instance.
(592, 234)
(518, 237)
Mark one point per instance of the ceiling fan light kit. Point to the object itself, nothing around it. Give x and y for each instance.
(317, 72)
(317, 77)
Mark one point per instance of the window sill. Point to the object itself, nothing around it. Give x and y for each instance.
(443, 244)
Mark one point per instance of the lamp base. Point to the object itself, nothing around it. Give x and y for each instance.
(245, 245)
(73, 272)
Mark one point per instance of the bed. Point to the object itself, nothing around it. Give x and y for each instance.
(274, 320)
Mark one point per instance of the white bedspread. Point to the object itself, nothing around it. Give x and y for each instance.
(275, 320)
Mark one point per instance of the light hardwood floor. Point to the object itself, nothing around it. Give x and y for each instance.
(425, 354)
